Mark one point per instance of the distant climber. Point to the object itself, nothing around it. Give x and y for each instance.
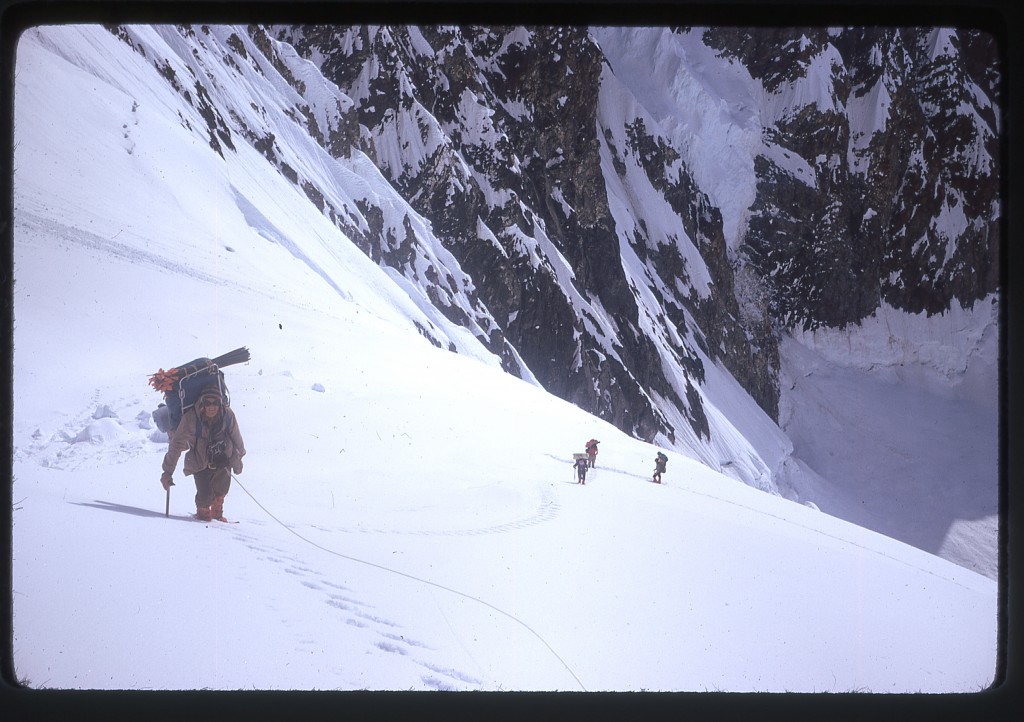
(592, 451)
(582, 463)
(660, 461)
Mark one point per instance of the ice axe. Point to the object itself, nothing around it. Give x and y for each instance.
(167, 509)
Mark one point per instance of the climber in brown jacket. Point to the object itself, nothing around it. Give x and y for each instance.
(208, 433)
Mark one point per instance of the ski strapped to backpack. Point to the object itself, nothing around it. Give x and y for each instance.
(183, 385)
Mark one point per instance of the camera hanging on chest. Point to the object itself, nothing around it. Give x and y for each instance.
(215, 432)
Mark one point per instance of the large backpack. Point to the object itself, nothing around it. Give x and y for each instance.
(183, 385)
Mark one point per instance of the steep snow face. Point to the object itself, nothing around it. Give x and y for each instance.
(643, 217)
(641, 212)
(707, 106)
(813, 87)
(239, 208)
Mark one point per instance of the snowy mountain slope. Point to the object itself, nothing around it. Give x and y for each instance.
(455, 543)
(237, 115)
(711, 94)
(730, 132)
(408, 516)
(556, 167)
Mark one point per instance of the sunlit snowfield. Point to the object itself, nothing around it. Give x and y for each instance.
(408, 517)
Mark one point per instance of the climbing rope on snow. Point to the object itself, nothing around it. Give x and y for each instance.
(414, 578)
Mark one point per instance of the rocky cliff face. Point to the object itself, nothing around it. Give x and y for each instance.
(565, 217)
(521, 190)
(882, 186)
(899, 201)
